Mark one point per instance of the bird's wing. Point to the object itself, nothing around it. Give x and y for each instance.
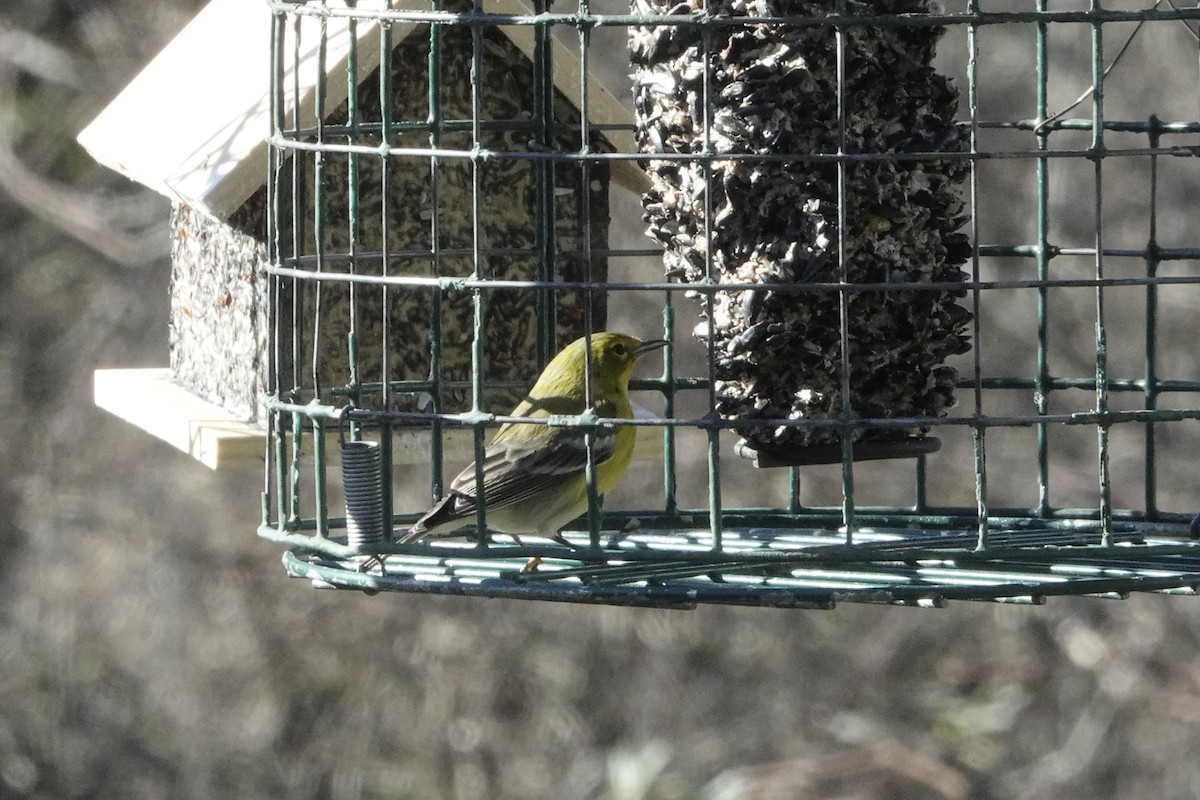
(516, 469)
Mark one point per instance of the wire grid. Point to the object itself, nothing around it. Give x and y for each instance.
(794, 553)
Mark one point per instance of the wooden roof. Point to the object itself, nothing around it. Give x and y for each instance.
(193, 124)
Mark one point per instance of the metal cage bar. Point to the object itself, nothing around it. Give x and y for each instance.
(919, 551)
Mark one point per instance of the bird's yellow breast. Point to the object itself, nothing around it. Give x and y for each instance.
(610, 472)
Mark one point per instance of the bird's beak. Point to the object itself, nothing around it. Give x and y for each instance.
(649, 346)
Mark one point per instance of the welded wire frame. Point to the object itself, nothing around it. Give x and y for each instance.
(919, 553)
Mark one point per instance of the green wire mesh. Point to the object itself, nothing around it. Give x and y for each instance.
(1063, 469)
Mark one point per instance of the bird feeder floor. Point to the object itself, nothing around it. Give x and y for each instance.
(809, 569)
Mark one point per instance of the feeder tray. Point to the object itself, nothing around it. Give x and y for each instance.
(791, 568)
(832, 453)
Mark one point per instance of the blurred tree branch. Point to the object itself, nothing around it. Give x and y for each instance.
(102, 225)
(126, 230)
(34, 55)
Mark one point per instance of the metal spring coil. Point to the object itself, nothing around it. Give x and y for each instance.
(361, 477)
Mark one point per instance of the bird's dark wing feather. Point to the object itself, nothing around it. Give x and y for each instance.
(513, 471)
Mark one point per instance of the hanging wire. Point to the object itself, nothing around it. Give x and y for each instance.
(1097, 81)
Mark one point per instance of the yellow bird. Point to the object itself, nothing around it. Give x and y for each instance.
(534, 475)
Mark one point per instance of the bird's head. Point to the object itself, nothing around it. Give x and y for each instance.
(613, 357)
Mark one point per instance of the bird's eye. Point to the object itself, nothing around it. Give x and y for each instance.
(620, 349)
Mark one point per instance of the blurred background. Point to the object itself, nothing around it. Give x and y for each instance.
(151, 647)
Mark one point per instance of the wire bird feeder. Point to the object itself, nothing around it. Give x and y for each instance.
(897, 299)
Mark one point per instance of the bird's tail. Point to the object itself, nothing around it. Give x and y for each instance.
(441, 513)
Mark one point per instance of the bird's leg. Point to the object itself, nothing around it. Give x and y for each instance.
(560, 539)
(532, 564)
